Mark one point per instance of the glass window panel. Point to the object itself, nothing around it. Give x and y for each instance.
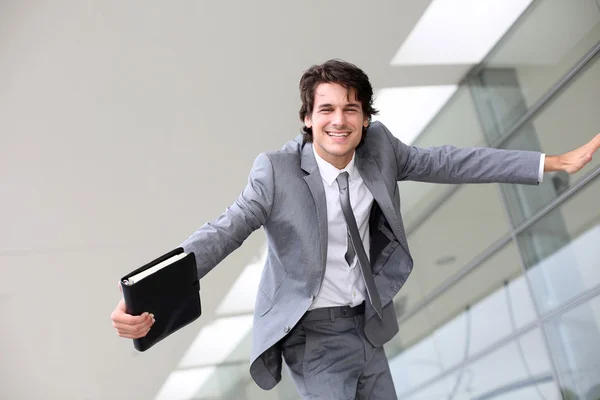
(569, 121)
(415, 366)
(223, 382)
(504, 266)
(574, 339)
(514, 372)
(521, 302)
(495, 283)
(445, 333)
(456, 124)
(519, 370)
(233, 382)
(411, 331)
(438, 390)
(452, 340)
(468, 222)
(409, 295)
(561, 250)
(542, 46)
(489, 320)
(242, 351)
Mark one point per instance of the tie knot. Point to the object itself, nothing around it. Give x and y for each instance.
(342, 180)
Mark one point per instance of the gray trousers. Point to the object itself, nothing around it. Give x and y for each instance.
(332, 359)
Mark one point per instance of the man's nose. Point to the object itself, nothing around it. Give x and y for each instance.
(339, 118)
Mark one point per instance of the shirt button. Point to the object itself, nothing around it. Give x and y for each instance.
(312, 298)
(286, 329)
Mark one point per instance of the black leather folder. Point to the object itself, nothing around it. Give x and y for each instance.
(171, 293)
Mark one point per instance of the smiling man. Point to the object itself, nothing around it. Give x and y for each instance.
(337, 251)
(337, 123)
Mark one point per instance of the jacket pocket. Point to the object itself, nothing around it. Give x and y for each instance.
(262, 305)
(271, 280)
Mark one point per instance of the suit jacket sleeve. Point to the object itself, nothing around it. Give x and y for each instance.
(449, 164)
(215, 240)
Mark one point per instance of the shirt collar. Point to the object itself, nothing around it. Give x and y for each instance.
(329, 173)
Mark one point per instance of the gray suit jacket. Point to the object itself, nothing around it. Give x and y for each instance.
(285, 195)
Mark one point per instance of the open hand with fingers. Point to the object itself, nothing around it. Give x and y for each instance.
(575, 160)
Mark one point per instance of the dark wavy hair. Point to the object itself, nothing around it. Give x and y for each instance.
(343, 73)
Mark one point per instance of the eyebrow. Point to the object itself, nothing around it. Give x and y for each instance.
(349, 105)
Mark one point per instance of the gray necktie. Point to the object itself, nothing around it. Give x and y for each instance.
(355, 245)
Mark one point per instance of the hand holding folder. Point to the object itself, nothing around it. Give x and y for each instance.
(167, 288)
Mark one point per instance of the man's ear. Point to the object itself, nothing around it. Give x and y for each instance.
(307, 122)
(366, 122)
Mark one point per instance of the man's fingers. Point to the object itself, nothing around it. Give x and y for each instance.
(121, 306)
(126, 336)
(131, 336)
(131, 320)
(596, 143)
(132, 328)
(577, 159)
(593, 145)
(120, 315)
(589, 149)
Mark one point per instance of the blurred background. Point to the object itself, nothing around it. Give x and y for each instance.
(125, 125)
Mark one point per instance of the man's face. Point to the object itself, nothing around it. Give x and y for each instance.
(337, 120)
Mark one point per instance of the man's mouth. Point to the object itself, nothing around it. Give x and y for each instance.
(338, 134)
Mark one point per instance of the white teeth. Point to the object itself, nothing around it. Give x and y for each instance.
(338, 134)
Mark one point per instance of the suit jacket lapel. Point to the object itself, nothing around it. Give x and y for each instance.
(315, 184)
(371, 174)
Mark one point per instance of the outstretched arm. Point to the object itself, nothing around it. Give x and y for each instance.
(215, 240)
(448, 164)
(575, 160)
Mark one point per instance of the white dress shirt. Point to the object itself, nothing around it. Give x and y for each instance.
(541, 170)
(342, 284)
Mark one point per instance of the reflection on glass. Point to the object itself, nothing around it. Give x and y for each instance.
(456, 125)
(570, 120)
(224, 382)
(438, 390)
(544, 44)
(230, 379)
(519, 370)
(285, 390)
(489, 311)
(468, 222)
(561, 250)
(504, 266)
(233, 382)
(415, 366)
(575, 346)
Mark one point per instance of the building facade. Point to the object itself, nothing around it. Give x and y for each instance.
(504, 300)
